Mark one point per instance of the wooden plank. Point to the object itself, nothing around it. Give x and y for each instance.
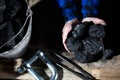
(33, 2)
(106, 73)
(109, 70)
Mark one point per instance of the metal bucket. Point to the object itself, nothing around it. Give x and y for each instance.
(20, 48)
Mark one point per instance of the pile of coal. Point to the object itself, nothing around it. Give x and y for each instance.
(85, 41)
(10, 22)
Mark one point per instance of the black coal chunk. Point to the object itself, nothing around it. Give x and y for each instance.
(2, 8)
(108, 54)
(97, 30)
(6, 34)
(78, 30)
(73, 44)
(12, 8)
(83, 56)
(92, 45)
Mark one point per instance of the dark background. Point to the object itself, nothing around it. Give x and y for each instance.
(109, 11)
(48, 22)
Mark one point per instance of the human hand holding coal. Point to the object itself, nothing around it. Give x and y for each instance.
(85, 42)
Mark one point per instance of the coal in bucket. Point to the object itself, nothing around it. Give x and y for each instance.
(15, 27)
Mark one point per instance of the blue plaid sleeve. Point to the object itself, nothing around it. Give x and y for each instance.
(89, 8)
(69, 9)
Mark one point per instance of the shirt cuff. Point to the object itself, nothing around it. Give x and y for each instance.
(89, 13)
(70, 13)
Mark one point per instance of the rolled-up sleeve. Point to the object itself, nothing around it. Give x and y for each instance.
(69, 9)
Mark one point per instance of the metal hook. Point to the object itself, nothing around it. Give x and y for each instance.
(27, 66)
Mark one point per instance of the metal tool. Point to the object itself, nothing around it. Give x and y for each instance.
(80, 73)
(27, 66)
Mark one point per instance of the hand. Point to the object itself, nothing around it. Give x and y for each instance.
(94, 20)
(66, 29)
